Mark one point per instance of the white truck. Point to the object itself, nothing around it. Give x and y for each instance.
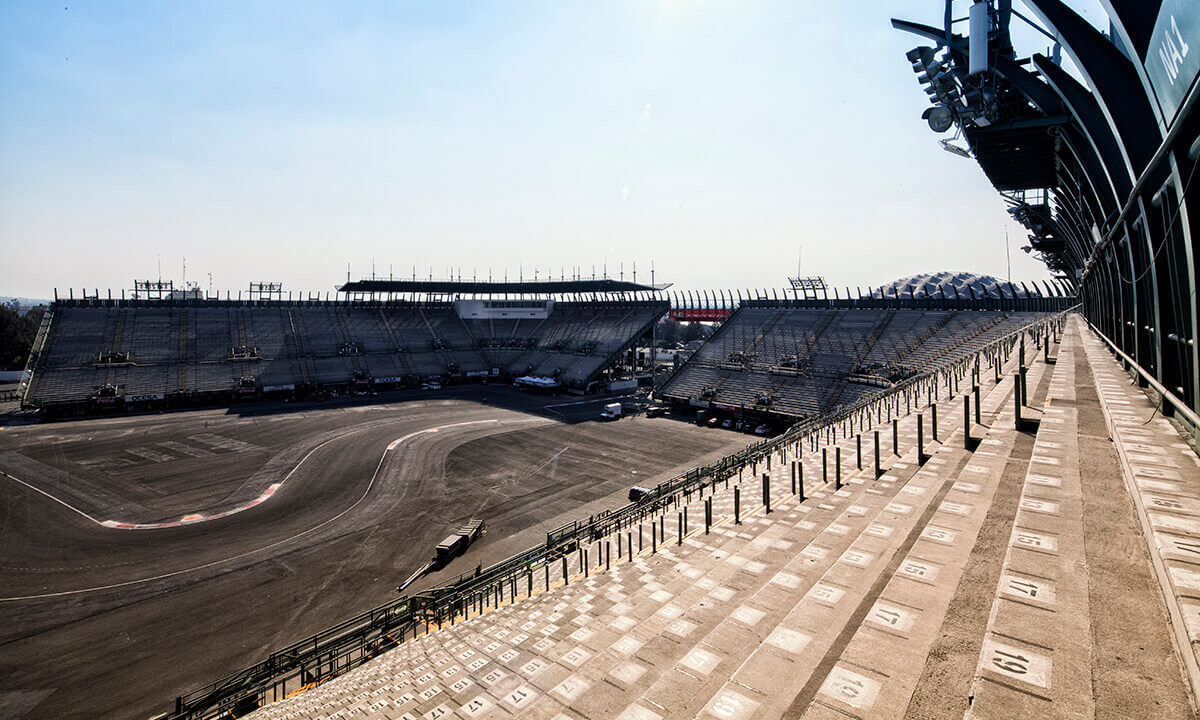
(611, 411)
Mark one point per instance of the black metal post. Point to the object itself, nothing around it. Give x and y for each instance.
(967, 422)
(837, 467)
(877, 472)
(920, 439)
(933, 421)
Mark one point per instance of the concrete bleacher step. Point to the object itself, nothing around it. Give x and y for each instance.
(1041, 651)
(884, 653)
(1161, 473)
(685, 628)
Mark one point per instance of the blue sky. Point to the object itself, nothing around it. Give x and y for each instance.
(280, 141)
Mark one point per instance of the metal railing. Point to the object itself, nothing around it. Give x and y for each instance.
(349, 644)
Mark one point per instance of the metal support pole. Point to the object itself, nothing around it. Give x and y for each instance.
(679, 528)
(825, 465)
(1017, 400)
(707, 514)
(967, 422)
(920, 439)
(877, 472)
(837, 467)
(800, 480)
(858, 447)
(766, 490)
(737, 504)
(793, 477)
(978, 417)
(896, 437)
(933, 423)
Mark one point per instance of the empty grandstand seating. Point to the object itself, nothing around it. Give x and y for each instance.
(157, 350)
(804, 361)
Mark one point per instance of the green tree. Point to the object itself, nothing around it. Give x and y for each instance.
(694, 331)
(17, 333)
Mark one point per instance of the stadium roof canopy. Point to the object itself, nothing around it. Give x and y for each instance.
(467, 287)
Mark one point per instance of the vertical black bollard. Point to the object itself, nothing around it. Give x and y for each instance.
(737, 504)
(837, 467)
(1017, 400)
(920, 440)
(766, 490)
(564, 563)
(679, 528)
(978, 420)
(967, 422)
(707, 514)
(608, 554)
(1021, 369)
(824, 465)
(800, 480)
(896, 437)
(685, 519)
(793, 477)
(877, 473)
(858, 447)
(933, 420)
(653, 538)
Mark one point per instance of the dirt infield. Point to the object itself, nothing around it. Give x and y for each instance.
(96, 621)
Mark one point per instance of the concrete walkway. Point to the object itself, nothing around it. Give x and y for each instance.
(1003, 577)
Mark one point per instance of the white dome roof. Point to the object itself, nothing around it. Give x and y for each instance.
(933, 284)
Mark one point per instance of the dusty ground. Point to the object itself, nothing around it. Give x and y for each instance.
(102, 622)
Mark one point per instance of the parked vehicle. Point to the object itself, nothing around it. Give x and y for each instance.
(611, 411)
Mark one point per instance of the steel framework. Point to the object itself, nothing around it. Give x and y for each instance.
(1098, 168)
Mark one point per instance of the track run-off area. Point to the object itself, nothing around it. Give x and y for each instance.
(102, 620)
(200, 517)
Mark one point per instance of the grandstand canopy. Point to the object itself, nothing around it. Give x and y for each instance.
(460, 287)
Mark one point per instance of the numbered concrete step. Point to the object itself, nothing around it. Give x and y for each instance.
(1054, 647)
(881, 665)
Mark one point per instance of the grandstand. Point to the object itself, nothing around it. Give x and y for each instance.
(777, 359)
(96, 352)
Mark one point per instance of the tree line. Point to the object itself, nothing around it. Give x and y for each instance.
(17, 333)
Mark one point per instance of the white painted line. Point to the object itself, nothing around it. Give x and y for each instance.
(197, 517)
(589, 402)
(163, 576)
(57, 500)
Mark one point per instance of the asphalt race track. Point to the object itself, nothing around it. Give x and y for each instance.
(99, 621)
